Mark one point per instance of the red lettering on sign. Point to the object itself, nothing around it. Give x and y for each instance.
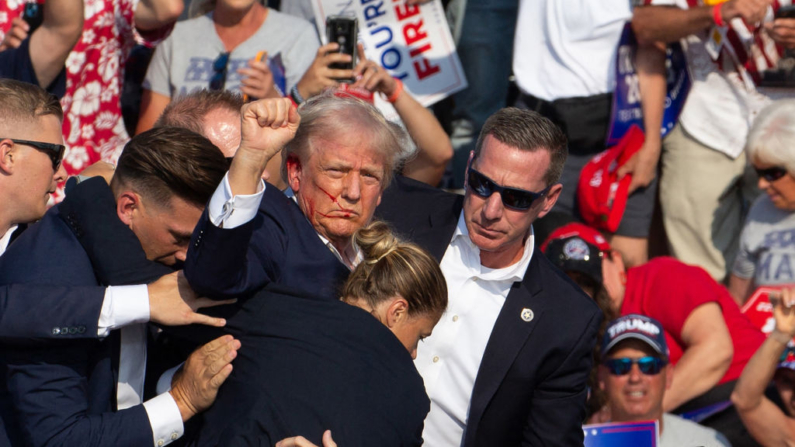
(413, 32)
(417, 51)
(407, 11)
(424, 68)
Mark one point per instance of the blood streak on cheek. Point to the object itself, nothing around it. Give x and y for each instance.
(347, 212)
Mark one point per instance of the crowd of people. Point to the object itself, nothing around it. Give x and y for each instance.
(269, 260)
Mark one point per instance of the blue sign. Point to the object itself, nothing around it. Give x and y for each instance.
(626, 97)
(277, 69)
(632, 434)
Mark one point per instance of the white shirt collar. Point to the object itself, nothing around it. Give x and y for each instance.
(514, 272)
(351, 257)
(6, 239)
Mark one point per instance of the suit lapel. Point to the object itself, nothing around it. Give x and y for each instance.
(18, 232)
(509, 336)
(436, 235)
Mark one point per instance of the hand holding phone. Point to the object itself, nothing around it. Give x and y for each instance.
(343, 31)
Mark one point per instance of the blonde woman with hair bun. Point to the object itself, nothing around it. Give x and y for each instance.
(399, 283)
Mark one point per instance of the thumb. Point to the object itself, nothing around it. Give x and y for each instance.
(327, 441)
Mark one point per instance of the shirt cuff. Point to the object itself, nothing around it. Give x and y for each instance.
(164, 382)
(165, 419)
(227, 211)
(122, 306)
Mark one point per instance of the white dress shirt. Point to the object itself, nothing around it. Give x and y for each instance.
(127, 308)
(6, 239)
(449, 359)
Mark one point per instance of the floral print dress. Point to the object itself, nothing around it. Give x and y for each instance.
(93, 126)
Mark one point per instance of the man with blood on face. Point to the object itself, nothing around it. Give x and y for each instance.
(336, 164)
(635, 373)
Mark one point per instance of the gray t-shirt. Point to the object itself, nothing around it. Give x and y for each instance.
(767, 245)
(678, 432)
(184, 61)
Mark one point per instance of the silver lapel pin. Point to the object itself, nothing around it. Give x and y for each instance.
(527, 314)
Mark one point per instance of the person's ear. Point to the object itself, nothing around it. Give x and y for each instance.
(128, 204)
(550, 199)
(294, 168)
(8, 155)
(397, 312)
(601, 375)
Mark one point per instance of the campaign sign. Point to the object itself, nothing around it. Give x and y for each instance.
(759, 310)
(626, 96)
(413, 43)
(631, 434)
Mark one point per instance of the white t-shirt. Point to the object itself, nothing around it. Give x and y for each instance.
(678, 432)
(719, 109)
(567, 48)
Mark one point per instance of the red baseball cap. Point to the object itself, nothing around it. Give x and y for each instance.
(582, 231)
(601, 196)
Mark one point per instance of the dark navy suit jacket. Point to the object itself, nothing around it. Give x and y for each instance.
(308, 364)
(530, 387)
(63, 395)
(278, 246)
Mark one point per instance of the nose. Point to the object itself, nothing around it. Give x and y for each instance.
(414, 354)
(352, 189)
(493, 208)
(181, 255)
(60, 174)
(763, 184)
(635, 374)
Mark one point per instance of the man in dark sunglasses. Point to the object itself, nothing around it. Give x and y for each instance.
(635, 373)
(31, 150)
(508, 307)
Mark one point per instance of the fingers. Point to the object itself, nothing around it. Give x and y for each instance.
(273, 113)
(298, 441)
(327, 441)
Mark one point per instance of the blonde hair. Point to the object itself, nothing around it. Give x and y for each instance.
(391, 268)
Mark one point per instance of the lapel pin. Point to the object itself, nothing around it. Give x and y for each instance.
(527, 314)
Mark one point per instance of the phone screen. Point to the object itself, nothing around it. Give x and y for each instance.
(34, 15)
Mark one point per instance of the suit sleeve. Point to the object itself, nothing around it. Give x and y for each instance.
(59, 313)
(49, 390)
(115, 252)
(557, 409)
(233, 262)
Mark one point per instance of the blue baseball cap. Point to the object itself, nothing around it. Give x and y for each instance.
(639, 327)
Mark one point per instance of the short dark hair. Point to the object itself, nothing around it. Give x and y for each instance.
(170, 161)
(22, 101)
(188, 111)
(528, 131)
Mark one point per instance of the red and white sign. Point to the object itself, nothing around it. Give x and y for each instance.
(759, 310)
(412, 42)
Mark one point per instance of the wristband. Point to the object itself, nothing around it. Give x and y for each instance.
(398, 90)
(780, 337)
(296, 95)
(717, 14)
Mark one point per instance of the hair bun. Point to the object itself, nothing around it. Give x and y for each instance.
(375, 241)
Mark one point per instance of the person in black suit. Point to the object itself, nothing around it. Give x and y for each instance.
(252, 235)
(30, 162)
(66, 394)
(508, 362)
(312, 364)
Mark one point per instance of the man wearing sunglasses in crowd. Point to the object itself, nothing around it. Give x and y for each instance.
(508, 362)
(635, 373)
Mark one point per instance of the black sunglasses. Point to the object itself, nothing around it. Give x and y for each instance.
(771, 174)
(54, 151)
(647, 365)
(218, 80)
(518, 199)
